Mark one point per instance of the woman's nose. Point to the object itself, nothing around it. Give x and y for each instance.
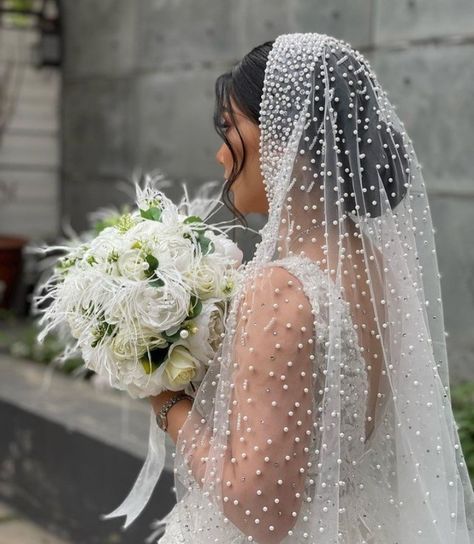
(220, 156)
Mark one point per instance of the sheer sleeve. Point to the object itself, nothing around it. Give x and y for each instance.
(269, 415)
(270, 425)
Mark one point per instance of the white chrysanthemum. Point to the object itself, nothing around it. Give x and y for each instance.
(147, 232)
(106, 248)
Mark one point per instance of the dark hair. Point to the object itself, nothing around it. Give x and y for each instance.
(382, 151)
(244, 83)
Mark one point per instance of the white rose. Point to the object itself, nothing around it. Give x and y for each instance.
(180, 367)
(125, 345)
(176, 251)
(161, 308)
(226, 247)
(132, 265)
(165, 242)
(209, 324)
(206, 277)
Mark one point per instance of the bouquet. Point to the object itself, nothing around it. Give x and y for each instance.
(145, 300)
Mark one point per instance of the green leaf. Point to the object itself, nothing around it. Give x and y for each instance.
(171, 338)
(103, 329)
(193, 219)
(152, 213)
(154, 359)
(195, 307)
(156, 282)
(152, 265)
(197, 224)
(206, 245)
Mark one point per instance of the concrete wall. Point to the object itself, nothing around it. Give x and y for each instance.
(138, 91)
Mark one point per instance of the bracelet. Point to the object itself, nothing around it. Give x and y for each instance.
(161, 417)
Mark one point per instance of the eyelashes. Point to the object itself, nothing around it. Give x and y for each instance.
(224, 126)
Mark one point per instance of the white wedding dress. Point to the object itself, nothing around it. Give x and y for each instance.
(196, 520)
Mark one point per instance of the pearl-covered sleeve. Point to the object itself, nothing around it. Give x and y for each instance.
(270, 421)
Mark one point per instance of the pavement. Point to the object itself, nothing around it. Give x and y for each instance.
(16, 529)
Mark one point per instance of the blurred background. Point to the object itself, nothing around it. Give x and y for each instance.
(92, 92)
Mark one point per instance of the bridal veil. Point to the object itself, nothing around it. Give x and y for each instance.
(326, 415)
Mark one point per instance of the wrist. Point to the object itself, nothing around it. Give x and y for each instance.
(176, 417)
(162, 415)
(159, 400)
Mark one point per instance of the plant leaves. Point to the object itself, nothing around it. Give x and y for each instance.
(152, 213)
(152, 360)
(206, 244)
(152, 265)
(193, 219)
(195, 307)
(171, 338)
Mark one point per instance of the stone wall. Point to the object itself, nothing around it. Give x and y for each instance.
(138, 91)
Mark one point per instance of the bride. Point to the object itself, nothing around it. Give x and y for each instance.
(325, 416)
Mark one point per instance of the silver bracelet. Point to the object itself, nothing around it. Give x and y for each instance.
(161, 417)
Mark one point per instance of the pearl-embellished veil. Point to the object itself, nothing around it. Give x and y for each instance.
(326, 414)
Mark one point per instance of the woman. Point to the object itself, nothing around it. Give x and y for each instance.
(326, 415)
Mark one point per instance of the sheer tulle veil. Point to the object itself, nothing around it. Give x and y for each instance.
(326, 414)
